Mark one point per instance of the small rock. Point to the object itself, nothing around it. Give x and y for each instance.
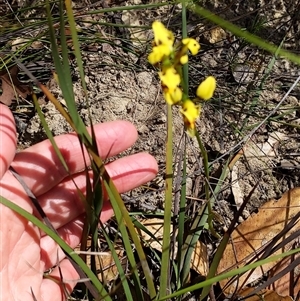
(144, 79)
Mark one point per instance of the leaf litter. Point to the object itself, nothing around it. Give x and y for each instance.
(11, 86)
(259, 234)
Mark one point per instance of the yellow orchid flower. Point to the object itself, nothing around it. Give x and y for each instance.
(190, 113)
(158, 54)
(184, 59)
(192, 45)
(162, 36)
(172, 96)
(170, 77)
(207, 88)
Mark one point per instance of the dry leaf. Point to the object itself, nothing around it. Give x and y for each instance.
(199, 259)
(266, 151)
(265, 295)
(105, 264)
(107, 267)
(242, 74)
(258, 156)
(25, 42)
(289, 283)
(155, 227)
(12, 86)
(235, 187)
(215, 35)
(255, 233)
(18, 43)
(37, 45)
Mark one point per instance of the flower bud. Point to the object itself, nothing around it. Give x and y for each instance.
(207, 88)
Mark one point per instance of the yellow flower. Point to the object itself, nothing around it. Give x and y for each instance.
(169, 77)
(158, 53)
(192, 45)
(163, 43)
(190, 113)
(170, 80)
(207, 88)
(184, 59)
(162, 36)
(172, 96)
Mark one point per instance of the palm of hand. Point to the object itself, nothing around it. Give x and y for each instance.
(25, 252)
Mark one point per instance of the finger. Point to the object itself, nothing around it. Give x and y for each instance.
(41, 169)
(7, 138)
(51, 253)
(62, 204)
(66, 216)
(58, 286)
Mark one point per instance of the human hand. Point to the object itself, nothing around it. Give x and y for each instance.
(25, 252)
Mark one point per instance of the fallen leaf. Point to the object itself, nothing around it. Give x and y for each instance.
(215, 35)
(199, 258)
(289, 283)
(155, 227)
(254, 234)
(265, 295)
(25, 42)
(235, 187)
(18, 43)
(264, 152)
(11, 86)
(105, 264)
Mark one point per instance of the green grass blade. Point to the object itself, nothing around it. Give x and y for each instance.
(222, 246)
(63, 71)
(267, 73)
(230, 274)
(49, 134)
(131, 7)
(190, 242)
(251, 38)
(201, 219)
(76, 45)
(95, 195)
(124, 219)
(122, 275)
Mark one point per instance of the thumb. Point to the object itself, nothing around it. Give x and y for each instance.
(7, 138)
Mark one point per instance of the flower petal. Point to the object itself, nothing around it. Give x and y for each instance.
(162, 35)
(170, 77)
(184, 59)
(173, 96)
(192, 45)
(207, 88)
(190, 113)
(158, 53)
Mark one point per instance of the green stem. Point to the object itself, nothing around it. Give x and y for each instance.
(165, 260)
(185, 67)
